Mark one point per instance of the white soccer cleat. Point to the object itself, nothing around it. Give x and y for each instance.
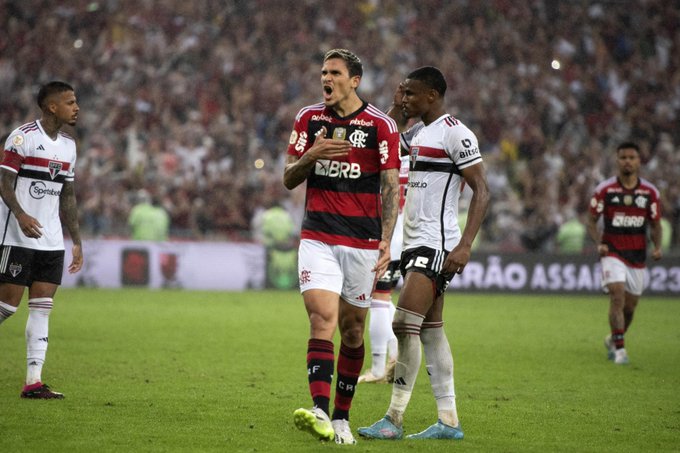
(620, 356)
(369, 378)
(343, 435)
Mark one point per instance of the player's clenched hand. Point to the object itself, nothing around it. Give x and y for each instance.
(456, 260)
(328, 148)
(29, 225)
(383, 259)
(77, 261)
(602, 249)
(398, 95)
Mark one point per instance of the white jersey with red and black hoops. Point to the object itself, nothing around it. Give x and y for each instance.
(438, 152)
(42, 166)
(398, 236)
(343, 205)
(626, 214)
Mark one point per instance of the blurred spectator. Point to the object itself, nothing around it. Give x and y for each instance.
(571, 235)
(148, 221)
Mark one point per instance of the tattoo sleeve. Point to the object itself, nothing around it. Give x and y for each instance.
(69, 211)
(7, 183)
(389, 192)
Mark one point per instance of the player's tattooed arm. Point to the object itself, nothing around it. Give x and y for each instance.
(69, 214)
(389, 189)
(28, 224)
(389, 192)
(69, 211)
(7, 183)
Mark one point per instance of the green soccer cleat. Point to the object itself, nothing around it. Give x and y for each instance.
(315, 421)
(439, 431)
(382, 429)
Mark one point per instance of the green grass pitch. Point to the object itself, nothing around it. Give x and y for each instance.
(218, 371)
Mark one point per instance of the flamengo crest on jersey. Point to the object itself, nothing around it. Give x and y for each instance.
(626, 214)
(438, 152)
(343, 205)
(42, 166)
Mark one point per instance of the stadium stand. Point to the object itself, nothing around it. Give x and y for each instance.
(181, 98)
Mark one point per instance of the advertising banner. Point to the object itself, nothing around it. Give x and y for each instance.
(544, 273)
(240, 266)
(187, 265)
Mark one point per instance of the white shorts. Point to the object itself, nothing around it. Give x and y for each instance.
(616, 271)
(346, 271)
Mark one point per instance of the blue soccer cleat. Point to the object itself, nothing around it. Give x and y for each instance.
(609, 345)
(382, 429)
(439, 431)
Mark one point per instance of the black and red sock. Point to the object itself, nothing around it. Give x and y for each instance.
(320, 364)
(350, 362)
(617, 337)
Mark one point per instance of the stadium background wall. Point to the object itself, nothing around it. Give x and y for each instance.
(240, 266)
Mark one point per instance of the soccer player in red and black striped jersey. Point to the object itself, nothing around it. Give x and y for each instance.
(347, 151)
(628, 205)
(37, 189)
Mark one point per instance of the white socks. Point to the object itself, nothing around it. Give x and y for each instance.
(406, 327)
(6, 310)
(439, 363)
(36, 337)
(380, 334)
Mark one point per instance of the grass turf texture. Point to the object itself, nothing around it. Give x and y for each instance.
(213, 371)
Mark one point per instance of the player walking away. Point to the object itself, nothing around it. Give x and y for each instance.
(443, 152)
(627, 204)
(36, 185)
(347, 151)
(382, 339)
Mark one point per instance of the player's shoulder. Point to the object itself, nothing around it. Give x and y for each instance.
(381, 117)
(67, 136)
(21, 134)
(310, 110)
(646, 184)
(607, 184)
(455, 127)
(28, 128)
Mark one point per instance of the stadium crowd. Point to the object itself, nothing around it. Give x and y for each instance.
(194, 101)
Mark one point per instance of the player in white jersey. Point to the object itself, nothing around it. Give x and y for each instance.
(37, 189)
(382, 339)
(443, 153)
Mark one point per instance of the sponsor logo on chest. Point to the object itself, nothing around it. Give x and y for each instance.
(623, 221)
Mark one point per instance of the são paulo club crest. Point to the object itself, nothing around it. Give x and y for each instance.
(414, 155)
(15, 269)
(54, 168)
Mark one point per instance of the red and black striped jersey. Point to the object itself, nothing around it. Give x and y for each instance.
(42, 166)
(626, 214)
(343, 204)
